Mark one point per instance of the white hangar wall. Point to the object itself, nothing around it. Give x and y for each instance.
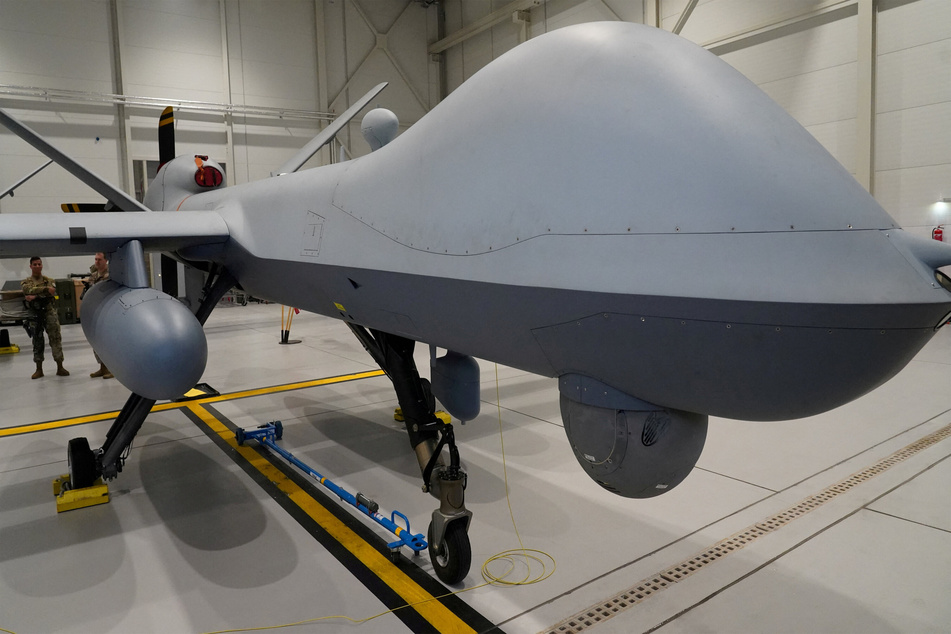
(283, 68)
(806, 55)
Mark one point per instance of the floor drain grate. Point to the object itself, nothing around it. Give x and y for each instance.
(647, 588)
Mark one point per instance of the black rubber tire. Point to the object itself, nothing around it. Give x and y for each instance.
(82, 464)
(239, 436)
(452, 557)
(278, 429)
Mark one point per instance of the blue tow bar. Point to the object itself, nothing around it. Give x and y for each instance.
(266, 435)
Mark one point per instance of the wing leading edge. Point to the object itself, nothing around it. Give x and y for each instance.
(24, 235)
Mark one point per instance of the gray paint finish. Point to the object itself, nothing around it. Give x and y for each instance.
(633, 210)
(748, 360)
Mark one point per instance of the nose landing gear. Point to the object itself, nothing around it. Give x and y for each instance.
(448, 534)
(448, 539)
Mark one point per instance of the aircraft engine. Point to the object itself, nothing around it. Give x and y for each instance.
(182, 177)
(150, 341)
(630, 447)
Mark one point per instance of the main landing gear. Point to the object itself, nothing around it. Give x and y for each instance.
(448, 534)
(87, 465)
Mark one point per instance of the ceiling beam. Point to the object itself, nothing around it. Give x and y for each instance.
(684, 17)
(381, 45)
(499, 15)
(865, 96)
(823, 13)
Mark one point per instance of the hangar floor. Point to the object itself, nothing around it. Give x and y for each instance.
(841, 522)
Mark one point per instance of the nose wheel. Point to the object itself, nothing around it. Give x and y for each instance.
(452, 555)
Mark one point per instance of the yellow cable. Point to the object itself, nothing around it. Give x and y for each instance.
(510, 556)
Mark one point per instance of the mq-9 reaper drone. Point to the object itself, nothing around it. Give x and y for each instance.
(607, 204)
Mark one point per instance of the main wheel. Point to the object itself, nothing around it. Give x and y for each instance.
(452, 556)
(82, 464)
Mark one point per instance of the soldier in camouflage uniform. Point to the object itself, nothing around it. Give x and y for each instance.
(40, 294)
(98, 272)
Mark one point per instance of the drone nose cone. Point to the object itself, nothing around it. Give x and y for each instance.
(151, 342)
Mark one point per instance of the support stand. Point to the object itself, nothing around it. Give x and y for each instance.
(286, 326)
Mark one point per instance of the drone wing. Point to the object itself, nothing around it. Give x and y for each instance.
(23, 235)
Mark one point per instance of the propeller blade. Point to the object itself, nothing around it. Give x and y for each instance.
(72, 208)
(166, 136)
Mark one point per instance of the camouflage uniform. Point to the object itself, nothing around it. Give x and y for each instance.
(45, 318)
(94, 278)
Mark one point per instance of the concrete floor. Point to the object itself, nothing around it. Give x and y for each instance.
(840, 522)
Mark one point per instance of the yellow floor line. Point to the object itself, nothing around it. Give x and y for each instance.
(422, 601)
(161, 407)
(442, 618)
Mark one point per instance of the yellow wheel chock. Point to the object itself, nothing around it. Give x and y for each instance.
(68, 499)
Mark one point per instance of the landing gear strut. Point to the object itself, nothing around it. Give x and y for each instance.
(448, 535)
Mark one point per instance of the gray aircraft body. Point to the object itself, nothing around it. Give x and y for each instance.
(608, 204)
